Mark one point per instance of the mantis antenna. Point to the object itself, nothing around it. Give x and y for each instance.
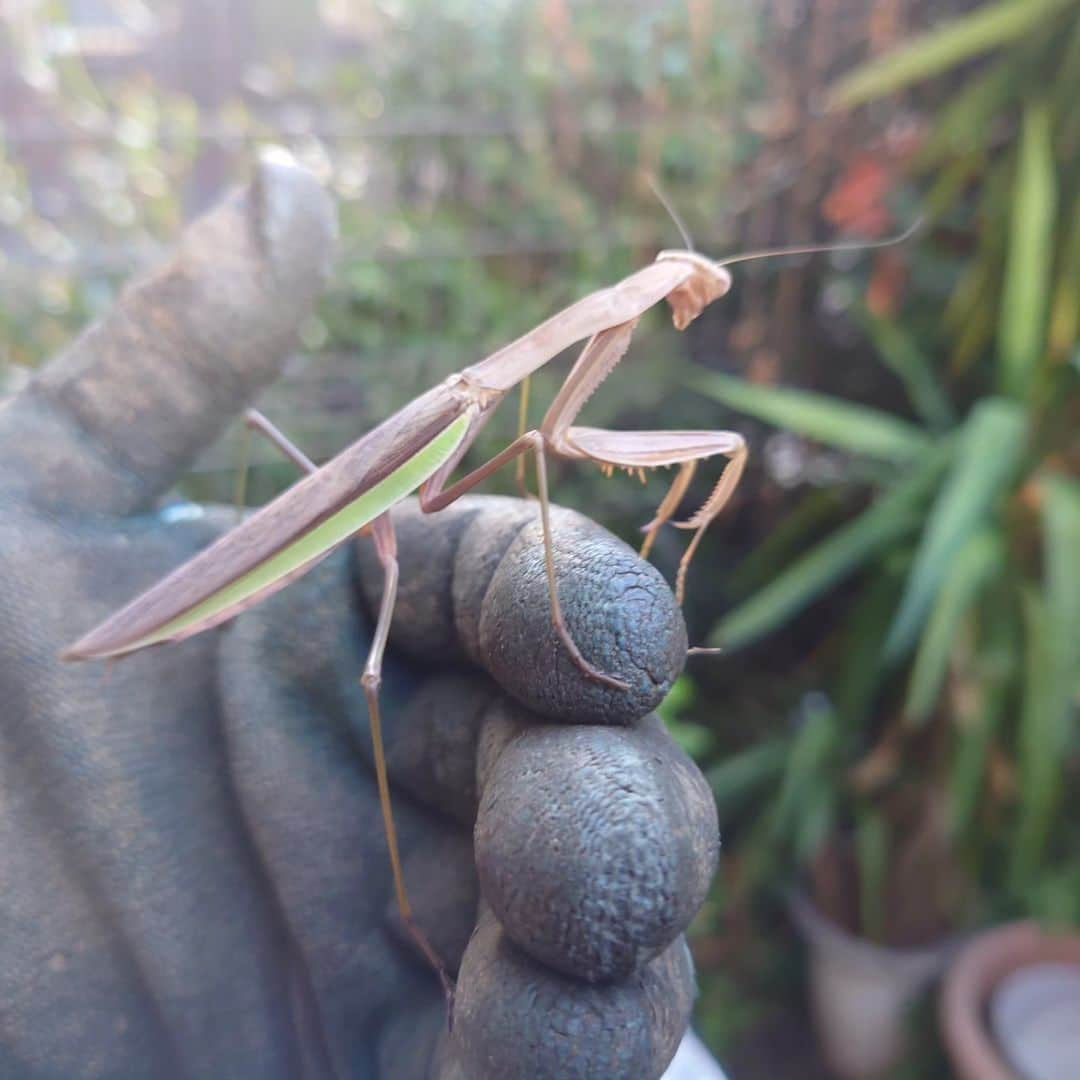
(672, 213)
(818, 249)
(772, 253)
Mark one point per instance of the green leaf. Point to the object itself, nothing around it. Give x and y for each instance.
(1048, 717)
(818, 508)
(969, 570)
(1061, 555)
(1040, 745)
(735, 780)
(962, 121)
(696, 739)
(815, 823)
(681, 699)
(1025, 302)
(864, 634)
(910, 364)
(806, 769)
(1064, 328)
(895, 514)
(856, 428)
(944, 47)
(992, 443)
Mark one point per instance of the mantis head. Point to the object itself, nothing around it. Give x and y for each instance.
(709, 281)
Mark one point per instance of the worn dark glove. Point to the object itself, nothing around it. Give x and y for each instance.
(193, 874)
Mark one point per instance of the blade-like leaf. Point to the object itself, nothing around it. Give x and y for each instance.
(734, 780)
(809, 518)
(961, 124)
(1064, 329)
(815, 823)
(1040, 743)
(864, 634)
(856, 428)
(969, 570)
(990, 449)
(315, 543)
(1053, 678)
(1061, 556)
(894, 515)
(1023, 317)
(903, 357)
(944, 47)
(806, 766)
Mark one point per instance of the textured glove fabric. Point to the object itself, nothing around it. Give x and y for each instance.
(195, 880)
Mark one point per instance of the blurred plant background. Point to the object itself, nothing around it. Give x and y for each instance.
(900, 572)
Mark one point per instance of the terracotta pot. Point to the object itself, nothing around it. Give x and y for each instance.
(971, 980)
(860, 993)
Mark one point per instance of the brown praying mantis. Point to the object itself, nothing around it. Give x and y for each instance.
(418, 448)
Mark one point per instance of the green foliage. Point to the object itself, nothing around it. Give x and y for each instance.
(990, 445)
(1026, 297)
(836, 423)
(953, 679)
(894, 516)
(967, 573)
(696, 739)
(946, 46)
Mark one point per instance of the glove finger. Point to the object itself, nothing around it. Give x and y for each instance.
(122, 413)
(514, 1018)
(595, 846)
(473, 585)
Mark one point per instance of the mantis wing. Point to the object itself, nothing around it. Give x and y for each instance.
(158, 615)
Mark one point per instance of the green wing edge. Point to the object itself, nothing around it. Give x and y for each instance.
(318, 541)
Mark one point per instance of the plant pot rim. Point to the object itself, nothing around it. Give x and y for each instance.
(986, 959)
(819, 929)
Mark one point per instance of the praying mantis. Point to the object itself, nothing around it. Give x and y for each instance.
(418, 449)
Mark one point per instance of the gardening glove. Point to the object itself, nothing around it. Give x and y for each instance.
(194, 878)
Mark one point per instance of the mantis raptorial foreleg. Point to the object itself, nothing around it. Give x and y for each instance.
(668, 505)
(717, 500)
(640, 450)
(637, 450)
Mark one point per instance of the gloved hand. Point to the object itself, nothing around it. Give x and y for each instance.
(193, 874)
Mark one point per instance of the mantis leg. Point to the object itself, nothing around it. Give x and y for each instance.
(637, 450)
(668, 505)
(433, 498)
(386, 548)
(255, 421)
